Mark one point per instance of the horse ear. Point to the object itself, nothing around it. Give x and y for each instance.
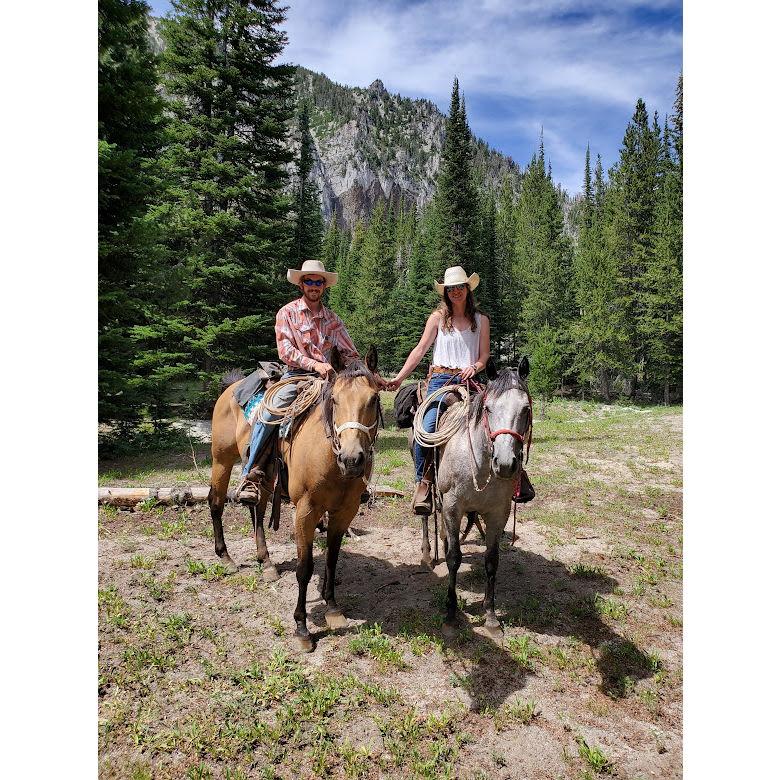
(372, 358)
(335, 360)
(524, 368)
(490, 369)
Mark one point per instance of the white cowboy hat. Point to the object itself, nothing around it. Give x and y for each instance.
(456, 275)
(312, 268)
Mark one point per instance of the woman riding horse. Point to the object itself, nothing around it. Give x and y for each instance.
(461, 337)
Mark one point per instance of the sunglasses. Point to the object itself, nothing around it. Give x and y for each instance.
(457, 287)
(314, 282)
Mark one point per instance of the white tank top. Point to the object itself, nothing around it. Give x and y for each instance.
(455, 348)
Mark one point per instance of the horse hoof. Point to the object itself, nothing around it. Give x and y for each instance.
(449, 630)
(270, 573)
(427, 562)
(335, 620)
(495, 630)
(305, 643)
(230, 567)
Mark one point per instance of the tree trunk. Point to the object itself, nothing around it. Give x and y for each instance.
(666, 394)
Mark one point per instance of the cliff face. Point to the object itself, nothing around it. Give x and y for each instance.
(372, 145)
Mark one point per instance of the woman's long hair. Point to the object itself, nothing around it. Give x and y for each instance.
(445, 307)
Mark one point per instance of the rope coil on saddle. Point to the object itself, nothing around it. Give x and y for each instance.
(452, 422)
(308, 396)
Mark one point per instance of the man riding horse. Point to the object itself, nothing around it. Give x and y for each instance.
(306, 332)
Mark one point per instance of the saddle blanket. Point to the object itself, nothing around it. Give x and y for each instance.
(253, 406)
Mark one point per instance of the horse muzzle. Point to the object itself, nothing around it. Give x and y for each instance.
(351, 464)
(505, 469)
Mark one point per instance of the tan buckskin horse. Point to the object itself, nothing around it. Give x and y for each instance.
(327, 457)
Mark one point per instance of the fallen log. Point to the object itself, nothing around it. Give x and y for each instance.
(130, 497)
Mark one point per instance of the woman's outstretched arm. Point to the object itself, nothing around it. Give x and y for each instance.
(418, 353)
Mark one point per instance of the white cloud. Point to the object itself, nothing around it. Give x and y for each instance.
(548, 56)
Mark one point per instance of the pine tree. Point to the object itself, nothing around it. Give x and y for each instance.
(342, 298)
(331, 259)
(307, 242)
(228, 220)
(372, 318)
(542, 272)
(599, 338)
(631, 214)
(455, 192)
(503, 326)
(417, 297)
(662, 284)
(129, 129)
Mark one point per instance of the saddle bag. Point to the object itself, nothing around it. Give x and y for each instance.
(407, 400)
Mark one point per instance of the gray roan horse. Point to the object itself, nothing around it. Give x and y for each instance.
(477, 473)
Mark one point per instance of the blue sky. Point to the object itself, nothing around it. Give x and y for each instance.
(574, 68)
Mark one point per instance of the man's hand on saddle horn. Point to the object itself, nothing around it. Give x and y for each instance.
(324, 369)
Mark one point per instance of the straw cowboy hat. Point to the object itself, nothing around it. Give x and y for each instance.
(312, 268)
(456, 275)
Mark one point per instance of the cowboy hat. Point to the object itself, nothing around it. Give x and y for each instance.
(312, 268)
(456, 275)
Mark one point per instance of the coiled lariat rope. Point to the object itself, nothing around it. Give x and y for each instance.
(308, 396)
(451, 423)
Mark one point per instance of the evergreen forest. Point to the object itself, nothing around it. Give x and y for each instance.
(204, 202)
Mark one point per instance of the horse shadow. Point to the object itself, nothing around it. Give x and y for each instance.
(532, 591)
(542, 594)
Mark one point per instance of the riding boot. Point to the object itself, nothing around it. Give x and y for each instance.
(527, 491)
(248, 491)
(422, 503)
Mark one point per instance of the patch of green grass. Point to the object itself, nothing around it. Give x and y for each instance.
(519, 711)
(178, 627)
(159, 590)
(277, 626)
(623, 663)
(610, 608)
(371, 642)
(523, 650)
(115, 607)
(139, 562)
(587, 571)
(211, 572)
(594, 757)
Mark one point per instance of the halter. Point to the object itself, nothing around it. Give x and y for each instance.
(357, 426)
(492, 435)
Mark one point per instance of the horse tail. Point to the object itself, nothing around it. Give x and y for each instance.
(229, 378)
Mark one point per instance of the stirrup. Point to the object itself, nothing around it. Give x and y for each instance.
(425, 505)
(248, 491)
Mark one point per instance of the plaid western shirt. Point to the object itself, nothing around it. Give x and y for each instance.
(304, 339)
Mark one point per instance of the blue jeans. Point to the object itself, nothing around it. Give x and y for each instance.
(262, 430)
(429, 420)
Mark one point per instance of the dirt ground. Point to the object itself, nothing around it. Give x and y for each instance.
(199, 675)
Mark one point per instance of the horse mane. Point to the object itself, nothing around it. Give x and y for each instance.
(507, 379)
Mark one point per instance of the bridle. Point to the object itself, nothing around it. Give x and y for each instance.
(492, 435)
(371, 431)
